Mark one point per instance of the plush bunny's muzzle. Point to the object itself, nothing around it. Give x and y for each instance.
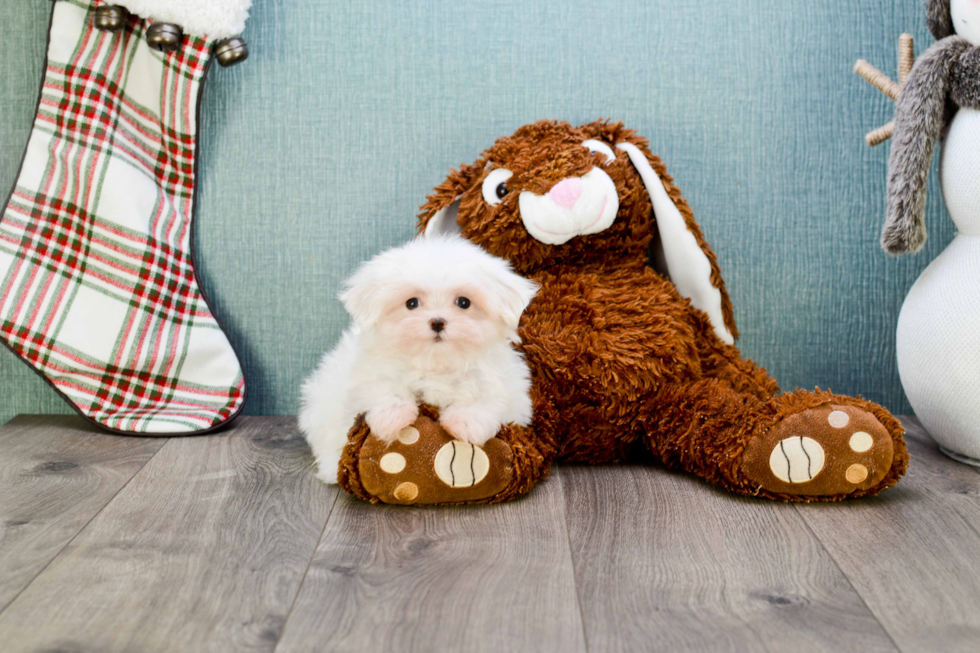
(575, 206)
(565, 191)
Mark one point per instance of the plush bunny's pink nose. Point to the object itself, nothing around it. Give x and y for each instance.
(566, 192)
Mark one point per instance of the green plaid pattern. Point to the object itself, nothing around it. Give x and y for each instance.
(97, 285)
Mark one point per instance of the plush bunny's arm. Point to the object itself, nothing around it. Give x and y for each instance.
(918, 124)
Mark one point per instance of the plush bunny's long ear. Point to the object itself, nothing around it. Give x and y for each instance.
(443, 221)
(439, 215)
(690, 263)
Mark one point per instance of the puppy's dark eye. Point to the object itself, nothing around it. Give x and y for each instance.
(412, 304)
(463, 302)
(501, 190)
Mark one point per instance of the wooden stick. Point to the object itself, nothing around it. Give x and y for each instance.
(880, 135)
(906, 57)
(876, 78)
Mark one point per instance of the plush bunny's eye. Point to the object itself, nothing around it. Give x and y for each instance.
(595, 146)
(495, 186)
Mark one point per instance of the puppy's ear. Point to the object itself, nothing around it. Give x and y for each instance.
(509, 294)
(439, 216)
(365, 293)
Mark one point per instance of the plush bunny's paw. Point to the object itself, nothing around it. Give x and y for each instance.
(820, 452)
(423, 464)
(327, 469)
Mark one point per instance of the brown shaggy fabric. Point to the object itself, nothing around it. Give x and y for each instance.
(348, 476)
(704, 428)
(540, 155)
(533, 454)
(620, 362)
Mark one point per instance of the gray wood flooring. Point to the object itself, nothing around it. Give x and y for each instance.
(227, 543)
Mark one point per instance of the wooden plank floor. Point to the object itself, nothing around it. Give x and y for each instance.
(227, 543)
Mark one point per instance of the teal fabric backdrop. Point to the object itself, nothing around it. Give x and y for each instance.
(318, 151)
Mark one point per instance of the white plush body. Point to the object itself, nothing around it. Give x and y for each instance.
(349, 382)
(938, 338)
(215, 19)
(434, 322)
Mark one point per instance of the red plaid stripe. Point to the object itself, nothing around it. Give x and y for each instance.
(148, 274)
(97, 286)
(83, 108)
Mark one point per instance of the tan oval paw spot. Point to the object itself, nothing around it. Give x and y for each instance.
(856, 473)
(831, 450)
(838, 419)
(406, 492)
(424, 464)
(861, 442)
(408, 435)
(392, 463)
(796, 460)
(461, 464)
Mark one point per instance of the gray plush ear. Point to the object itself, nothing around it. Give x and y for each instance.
(939, 19)
(919, 117)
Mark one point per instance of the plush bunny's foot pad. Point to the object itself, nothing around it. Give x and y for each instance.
(426, 465)
(822, 451)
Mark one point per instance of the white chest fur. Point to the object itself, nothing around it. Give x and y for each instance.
(960, 171)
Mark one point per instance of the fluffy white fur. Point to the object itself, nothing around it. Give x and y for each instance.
(216, 19)
(391, 358)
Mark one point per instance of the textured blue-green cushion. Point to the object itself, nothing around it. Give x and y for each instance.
(318, 150)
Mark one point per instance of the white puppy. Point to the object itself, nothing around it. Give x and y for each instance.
(434, 322)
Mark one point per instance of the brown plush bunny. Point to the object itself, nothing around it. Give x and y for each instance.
(629, 342)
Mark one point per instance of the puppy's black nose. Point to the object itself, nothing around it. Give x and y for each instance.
(437, 324)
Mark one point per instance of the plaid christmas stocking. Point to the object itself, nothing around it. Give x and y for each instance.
(97, 286)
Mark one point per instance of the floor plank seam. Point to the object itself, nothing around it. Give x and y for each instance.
(799, 510)
(571, 558)
(966, 520)
(299, 588)
(82, 528)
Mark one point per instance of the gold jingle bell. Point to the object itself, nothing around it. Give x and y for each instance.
(110, 18)
(164, 37)
(230, 52)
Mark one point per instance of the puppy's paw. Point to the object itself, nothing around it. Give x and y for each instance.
(386, 422)
(469, 425)
(327, 469)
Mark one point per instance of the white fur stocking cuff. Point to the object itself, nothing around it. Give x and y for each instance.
(215, 19)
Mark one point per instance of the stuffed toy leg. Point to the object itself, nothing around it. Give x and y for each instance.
(629, 342)
(98, 291)
(425, 465)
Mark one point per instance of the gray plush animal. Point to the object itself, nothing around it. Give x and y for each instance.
(945, 79)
